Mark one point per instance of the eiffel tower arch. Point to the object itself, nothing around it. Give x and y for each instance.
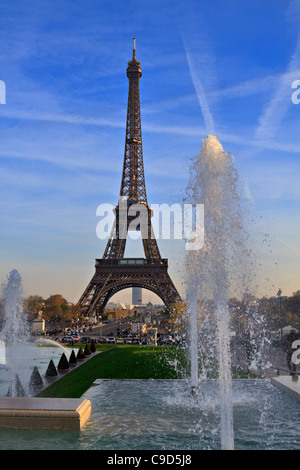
(114, 272)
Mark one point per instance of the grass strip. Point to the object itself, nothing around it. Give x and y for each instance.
(121, 362)
(128, 362)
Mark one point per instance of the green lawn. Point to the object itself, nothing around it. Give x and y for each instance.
(121, 362)
(127, 362)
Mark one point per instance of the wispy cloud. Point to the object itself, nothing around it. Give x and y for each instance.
(276, 109)
(254, 86)
(59, 117)
(249, 87)
(91, 159)
(196, 69)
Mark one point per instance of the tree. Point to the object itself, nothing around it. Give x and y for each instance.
(178, 317)
(56, 308)
(74, 311)
(269, 308)
(237, 310)
(292, 308)
(33, 305)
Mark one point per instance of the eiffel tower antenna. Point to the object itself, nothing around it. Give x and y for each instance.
(133, 48)
(113, 271)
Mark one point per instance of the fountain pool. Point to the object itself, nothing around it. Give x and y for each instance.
(23, 358)
(19, 352)
(162, 415)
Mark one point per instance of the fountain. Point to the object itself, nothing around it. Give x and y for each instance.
(21, 352)
(222, 262)
(15, 332)
(19, 409)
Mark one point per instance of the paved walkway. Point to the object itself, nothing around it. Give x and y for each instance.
(272, 360)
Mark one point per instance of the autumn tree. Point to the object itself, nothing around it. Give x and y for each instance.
(74, 311)
(33, 305)
(56, 308)
(178, 317)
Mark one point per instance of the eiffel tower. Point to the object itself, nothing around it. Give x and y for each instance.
(114, 272)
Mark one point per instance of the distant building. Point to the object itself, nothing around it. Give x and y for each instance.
(137, 296)
(38, 325)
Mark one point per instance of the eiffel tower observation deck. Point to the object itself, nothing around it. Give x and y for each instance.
(114, 272)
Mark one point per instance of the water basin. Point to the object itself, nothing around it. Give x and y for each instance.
(162, 415)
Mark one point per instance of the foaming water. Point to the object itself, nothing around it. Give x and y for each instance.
(20, 352)
(15, 332)
(15, 329)
(221, 263)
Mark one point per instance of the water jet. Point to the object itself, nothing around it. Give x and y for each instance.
(17, 409)
(215, 268)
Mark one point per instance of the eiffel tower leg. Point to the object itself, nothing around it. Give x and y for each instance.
(114, 275)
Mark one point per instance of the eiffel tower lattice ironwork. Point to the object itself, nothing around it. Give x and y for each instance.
(114, 272)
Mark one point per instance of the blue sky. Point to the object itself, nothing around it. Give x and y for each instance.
(223, 66)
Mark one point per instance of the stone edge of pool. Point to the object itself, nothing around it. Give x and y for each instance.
(288, 383)
(44, 413)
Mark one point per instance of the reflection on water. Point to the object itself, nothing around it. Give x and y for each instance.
(162, 415)
(24, 358)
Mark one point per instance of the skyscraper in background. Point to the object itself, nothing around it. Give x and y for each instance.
(137, 296)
